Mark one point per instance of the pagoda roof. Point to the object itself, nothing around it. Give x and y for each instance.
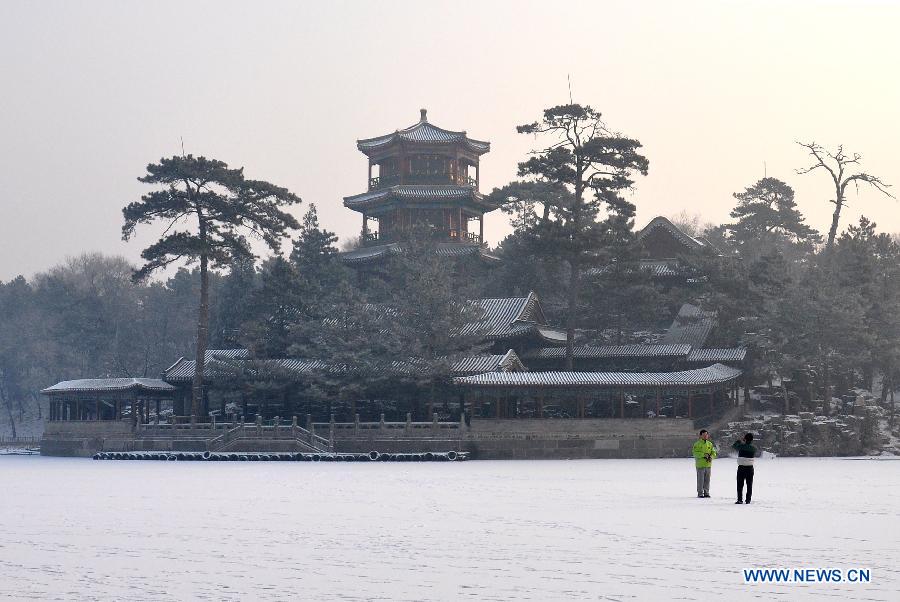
(417, 192)
(449, 249)
(423, 132)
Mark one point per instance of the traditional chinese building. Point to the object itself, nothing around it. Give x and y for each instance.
(421, 177)
(425, 179)
(671, 255)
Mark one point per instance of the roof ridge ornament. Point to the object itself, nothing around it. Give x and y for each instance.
(423, 115)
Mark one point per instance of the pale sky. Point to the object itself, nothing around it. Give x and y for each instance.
(716, 91)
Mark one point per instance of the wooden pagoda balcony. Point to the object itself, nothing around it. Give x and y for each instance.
(436, 179)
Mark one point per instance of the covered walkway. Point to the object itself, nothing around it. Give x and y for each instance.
(687, 393)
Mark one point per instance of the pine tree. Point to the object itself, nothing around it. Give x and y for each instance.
(318, 267)
(591, 222)
(223, 204)
(767, 216)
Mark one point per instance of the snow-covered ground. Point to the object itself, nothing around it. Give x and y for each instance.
(543, 530)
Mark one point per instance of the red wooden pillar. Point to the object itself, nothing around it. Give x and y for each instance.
(712, 395)
(622, 403)
(690, 405)
(481, 229)
(658, 395)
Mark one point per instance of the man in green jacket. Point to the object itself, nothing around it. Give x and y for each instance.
(704, 453)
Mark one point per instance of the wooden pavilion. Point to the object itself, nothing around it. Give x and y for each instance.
(109, 399)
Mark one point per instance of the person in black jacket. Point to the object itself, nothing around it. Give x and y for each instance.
(746, 452)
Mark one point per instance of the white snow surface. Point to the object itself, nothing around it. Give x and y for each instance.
(76, 529)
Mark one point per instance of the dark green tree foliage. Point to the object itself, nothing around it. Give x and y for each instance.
(319, 270)
(298, 290)
(830, 352)
(355, 343)
(314, 251)
(768, 218)
(235, 304)
(531, 255)
(409, 339)
(868, 265)
(590, 225)
(275, 305)
(746, 297)
(434, 324)
(220, 205)
(526, 267)
(622, 298)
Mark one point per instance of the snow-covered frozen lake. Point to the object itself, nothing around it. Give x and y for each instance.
(74, 529)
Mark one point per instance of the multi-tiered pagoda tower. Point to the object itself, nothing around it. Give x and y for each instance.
(422, 177)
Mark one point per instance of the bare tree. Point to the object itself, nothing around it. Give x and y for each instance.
(691, 224)
(838, 165)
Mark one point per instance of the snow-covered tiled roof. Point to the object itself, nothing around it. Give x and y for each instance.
(700, 377)
(614, 351)
(505, 362)
(426, 133)
(101, 385)
(183, 370)
(692, 325)
(417, 192)
(708, 356)
(364, 254)
(449, 249)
